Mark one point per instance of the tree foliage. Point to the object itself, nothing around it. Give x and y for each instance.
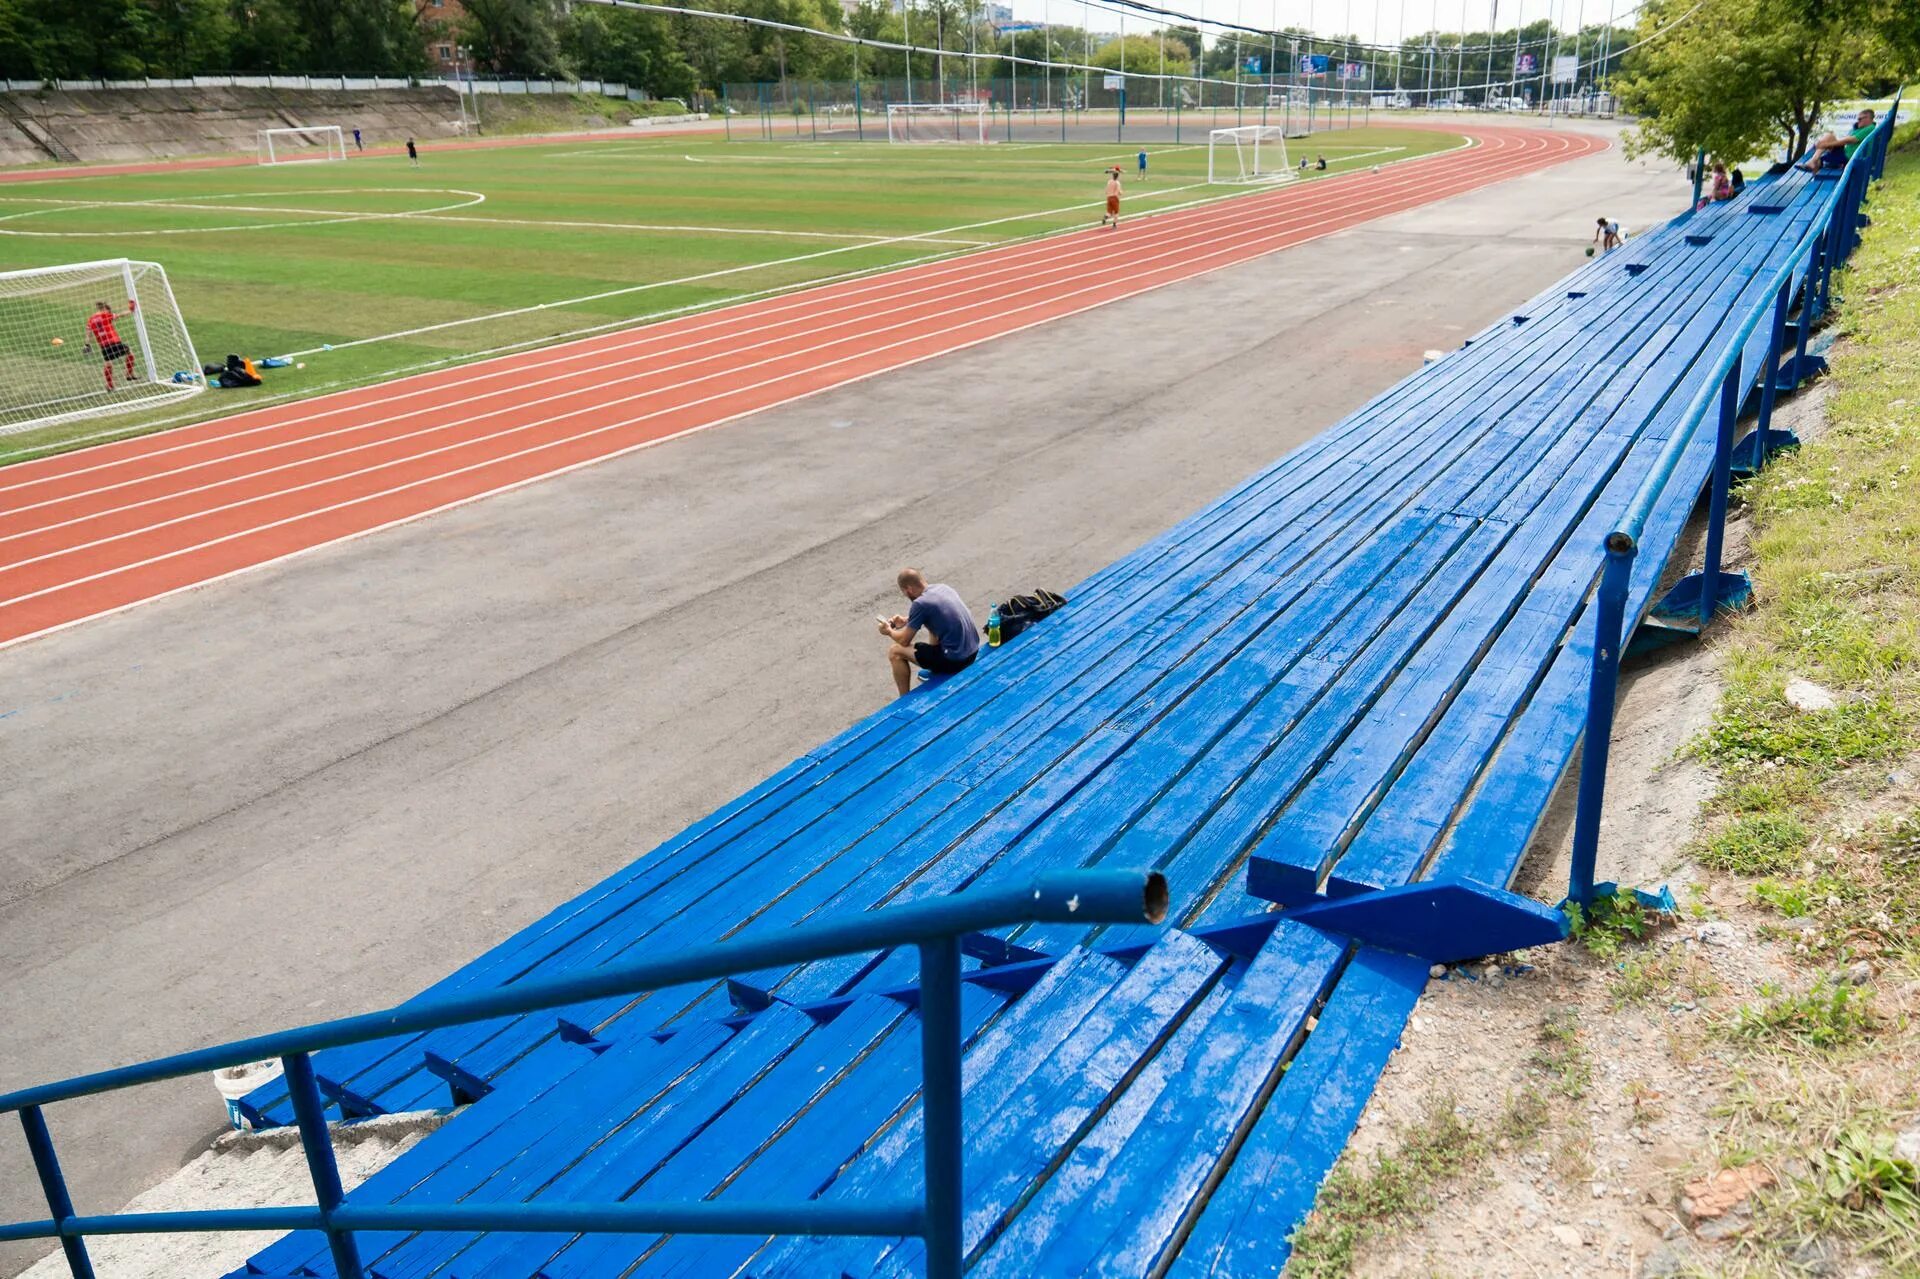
(1738, 78)
(1140, 55)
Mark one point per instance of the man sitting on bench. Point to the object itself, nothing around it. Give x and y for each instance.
(1832, 153)
(939, 609)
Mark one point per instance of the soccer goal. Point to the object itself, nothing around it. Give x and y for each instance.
(1251, 153)
(937, 122)
(88, 340)
(293, 146)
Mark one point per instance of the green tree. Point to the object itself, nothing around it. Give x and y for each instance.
(635, 49)
(1142, 55)
(513, 37)
(1740, 76)
(265, 38)
(188, 37)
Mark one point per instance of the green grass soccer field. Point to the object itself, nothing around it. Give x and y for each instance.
(400, 268)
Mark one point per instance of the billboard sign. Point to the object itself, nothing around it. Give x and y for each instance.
(1566, 68)
(1313, 64)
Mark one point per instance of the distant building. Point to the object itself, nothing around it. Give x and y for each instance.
(440, 18)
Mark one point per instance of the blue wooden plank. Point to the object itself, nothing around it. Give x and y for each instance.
(1275, 1175)
(1024, 1140)
(625, 1116)
(720, 1150)
(1126, 1190)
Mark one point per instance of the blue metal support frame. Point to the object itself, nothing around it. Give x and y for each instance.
(1751, 454)
(935, 927)
(1704, 594)
(1602, 690)
(54, 1185)
(1811, 263)
(310, 1113)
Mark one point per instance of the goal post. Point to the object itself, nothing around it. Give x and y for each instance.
(937, 122)
(1249, 153)
(290, 146)
(57, 367)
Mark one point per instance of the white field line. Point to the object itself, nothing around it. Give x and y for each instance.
(935, 235)
(321, 217)
(439, 213)
(777, 323)
(1172, 247)
(645, 324)
(545, 475)
(691, 230)
(1012, 261)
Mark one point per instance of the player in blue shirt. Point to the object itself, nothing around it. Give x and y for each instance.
(1143, 164)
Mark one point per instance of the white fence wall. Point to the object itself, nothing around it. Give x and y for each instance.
(361, 84)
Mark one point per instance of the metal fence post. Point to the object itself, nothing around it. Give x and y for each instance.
(1770, 379)
(1603, 688)
(54, 1184)
(940, 1104)
(310, 1111)
(1717, 502)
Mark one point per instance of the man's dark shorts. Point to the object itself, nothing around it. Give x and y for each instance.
(113, 350)
(930, 659)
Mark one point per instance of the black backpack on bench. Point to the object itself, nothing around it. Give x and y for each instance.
(1023, 611)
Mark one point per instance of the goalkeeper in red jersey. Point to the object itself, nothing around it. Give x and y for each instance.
(107, 338)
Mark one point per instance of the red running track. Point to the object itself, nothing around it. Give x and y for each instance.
(91, 532)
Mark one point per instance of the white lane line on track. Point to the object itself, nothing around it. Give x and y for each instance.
(1280, 228)
(937, 267)
(1517, 171)
(1010, 259)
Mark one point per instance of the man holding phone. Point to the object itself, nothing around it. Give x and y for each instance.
(938, 609)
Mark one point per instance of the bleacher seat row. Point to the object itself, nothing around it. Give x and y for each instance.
(1350, 684)
(1361, 668)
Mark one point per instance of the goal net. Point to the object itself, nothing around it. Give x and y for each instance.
(937, 122)
(64, 357)
(1251, 153)
(290, 146)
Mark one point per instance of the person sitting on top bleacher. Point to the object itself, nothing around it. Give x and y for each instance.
(1739, 182)
(1832, 153)
(1722, 182)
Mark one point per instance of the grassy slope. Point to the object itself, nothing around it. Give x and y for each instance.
(288, 278)
(1818, 812)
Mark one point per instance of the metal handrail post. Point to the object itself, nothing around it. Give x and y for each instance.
(1770, 376)
(1809, 307)
(310, 1112)
(1603, 687)
(1717, 502)
(54, 1184)
(940, 1107)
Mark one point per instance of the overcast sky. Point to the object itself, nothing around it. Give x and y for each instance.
(1375, 20)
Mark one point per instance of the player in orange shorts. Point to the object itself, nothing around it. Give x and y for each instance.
(1112, 219)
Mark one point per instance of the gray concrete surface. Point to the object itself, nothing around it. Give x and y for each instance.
(312, 789)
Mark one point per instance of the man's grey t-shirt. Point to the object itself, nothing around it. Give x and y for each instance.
(940, 610)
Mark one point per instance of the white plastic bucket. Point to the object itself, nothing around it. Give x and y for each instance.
(235, 1082)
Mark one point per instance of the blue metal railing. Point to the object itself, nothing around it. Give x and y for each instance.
(935, 927)
(1808, 272)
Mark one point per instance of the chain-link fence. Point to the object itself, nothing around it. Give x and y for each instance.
(1056, 107)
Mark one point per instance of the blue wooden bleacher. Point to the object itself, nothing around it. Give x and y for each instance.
(1362, 668)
